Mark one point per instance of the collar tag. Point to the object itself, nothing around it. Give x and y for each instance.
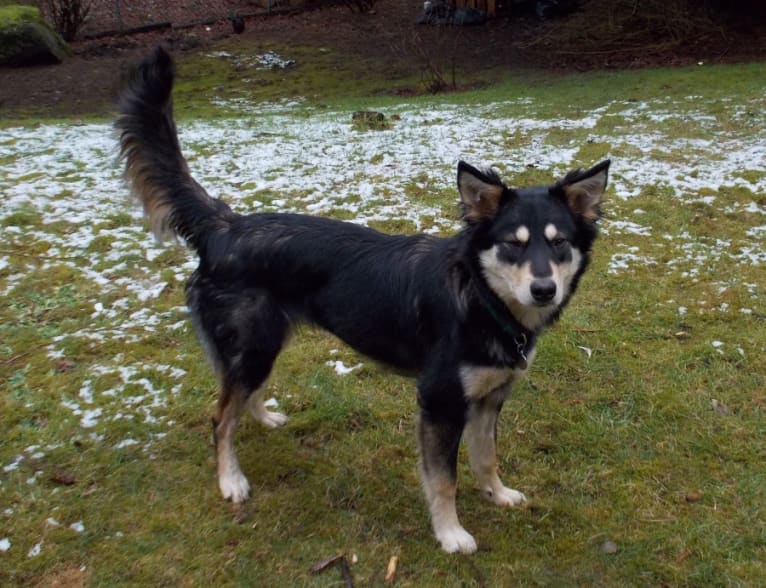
(521, 344)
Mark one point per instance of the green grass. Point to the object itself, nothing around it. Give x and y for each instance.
(15, 14)
(614, 434)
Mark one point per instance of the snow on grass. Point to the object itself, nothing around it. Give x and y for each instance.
(341, 368)
(64, 197)
(268, 60)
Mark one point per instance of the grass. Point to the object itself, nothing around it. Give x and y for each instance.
(642, 422)
(13, 15)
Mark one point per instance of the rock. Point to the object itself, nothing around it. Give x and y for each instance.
(26, 40)
(608, 547)
(368, 116)
(719, 407)
(370, 120)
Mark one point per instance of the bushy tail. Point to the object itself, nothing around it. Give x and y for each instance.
(174, 203)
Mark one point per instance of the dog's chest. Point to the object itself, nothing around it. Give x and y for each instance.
(480, 380)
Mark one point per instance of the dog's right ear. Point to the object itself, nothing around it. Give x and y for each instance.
(480, 192)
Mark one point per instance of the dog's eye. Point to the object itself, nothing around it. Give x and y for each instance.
(559, 242)
(515, 243)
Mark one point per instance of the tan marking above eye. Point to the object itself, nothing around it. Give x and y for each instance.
(522, 234)
(551, 232)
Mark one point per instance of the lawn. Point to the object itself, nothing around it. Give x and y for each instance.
(639, 435)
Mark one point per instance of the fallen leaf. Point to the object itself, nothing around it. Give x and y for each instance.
(719, 407)
(683, 556)
(391, 569)
(694, 496)
(91, 489)
(64, 478)
(316, 441)
(64, 365)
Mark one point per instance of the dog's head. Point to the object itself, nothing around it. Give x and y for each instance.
(532, 244)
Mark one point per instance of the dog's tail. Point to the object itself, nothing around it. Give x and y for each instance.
(174, 203)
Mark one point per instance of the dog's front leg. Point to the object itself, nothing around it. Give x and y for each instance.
(481, 440)
(439, 440)
(260, 413)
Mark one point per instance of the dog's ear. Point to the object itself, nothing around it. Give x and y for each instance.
(584, 190)
(480, 192)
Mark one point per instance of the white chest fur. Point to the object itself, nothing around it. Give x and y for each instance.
(479, 381)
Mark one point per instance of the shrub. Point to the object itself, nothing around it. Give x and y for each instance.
(66, 16)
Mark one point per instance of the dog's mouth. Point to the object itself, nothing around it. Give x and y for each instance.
(539, 304)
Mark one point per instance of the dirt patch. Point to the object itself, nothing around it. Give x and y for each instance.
(71, 577)
(88, 81)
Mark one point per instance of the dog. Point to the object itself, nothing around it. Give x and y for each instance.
(460, 314)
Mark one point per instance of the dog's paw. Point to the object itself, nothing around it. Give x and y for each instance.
(268, 419)
(272, 420)
(234, 486)
(456, 540)
(506, 496)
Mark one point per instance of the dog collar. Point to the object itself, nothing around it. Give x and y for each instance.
(510, 327)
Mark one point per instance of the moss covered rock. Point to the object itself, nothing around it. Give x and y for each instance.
(26, 40)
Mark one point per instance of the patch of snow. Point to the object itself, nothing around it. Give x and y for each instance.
(14, 465)
(628, 228)
(266, 158)
(624, 261)
(126, 443)
(36, 550)
(90, 418)
(342, 369)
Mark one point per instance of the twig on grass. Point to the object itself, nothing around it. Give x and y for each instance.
(340, 560)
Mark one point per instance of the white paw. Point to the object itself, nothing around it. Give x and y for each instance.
(506, 496)
(272, 420)
(234, 486)
(456, 540)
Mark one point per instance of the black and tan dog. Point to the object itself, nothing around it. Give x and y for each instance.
(461, 314)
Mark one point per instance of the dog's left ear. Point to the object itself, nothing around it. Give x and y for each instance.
(480, 192)
(584, 190)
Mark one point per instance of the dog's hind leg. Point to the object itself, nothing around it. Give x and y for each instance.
(481, 441)
(248, 353)
(232, 482)
(439, 440)
(232, 400)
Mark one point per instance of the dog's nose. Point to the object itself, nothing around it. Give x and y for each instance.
(543, 290)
